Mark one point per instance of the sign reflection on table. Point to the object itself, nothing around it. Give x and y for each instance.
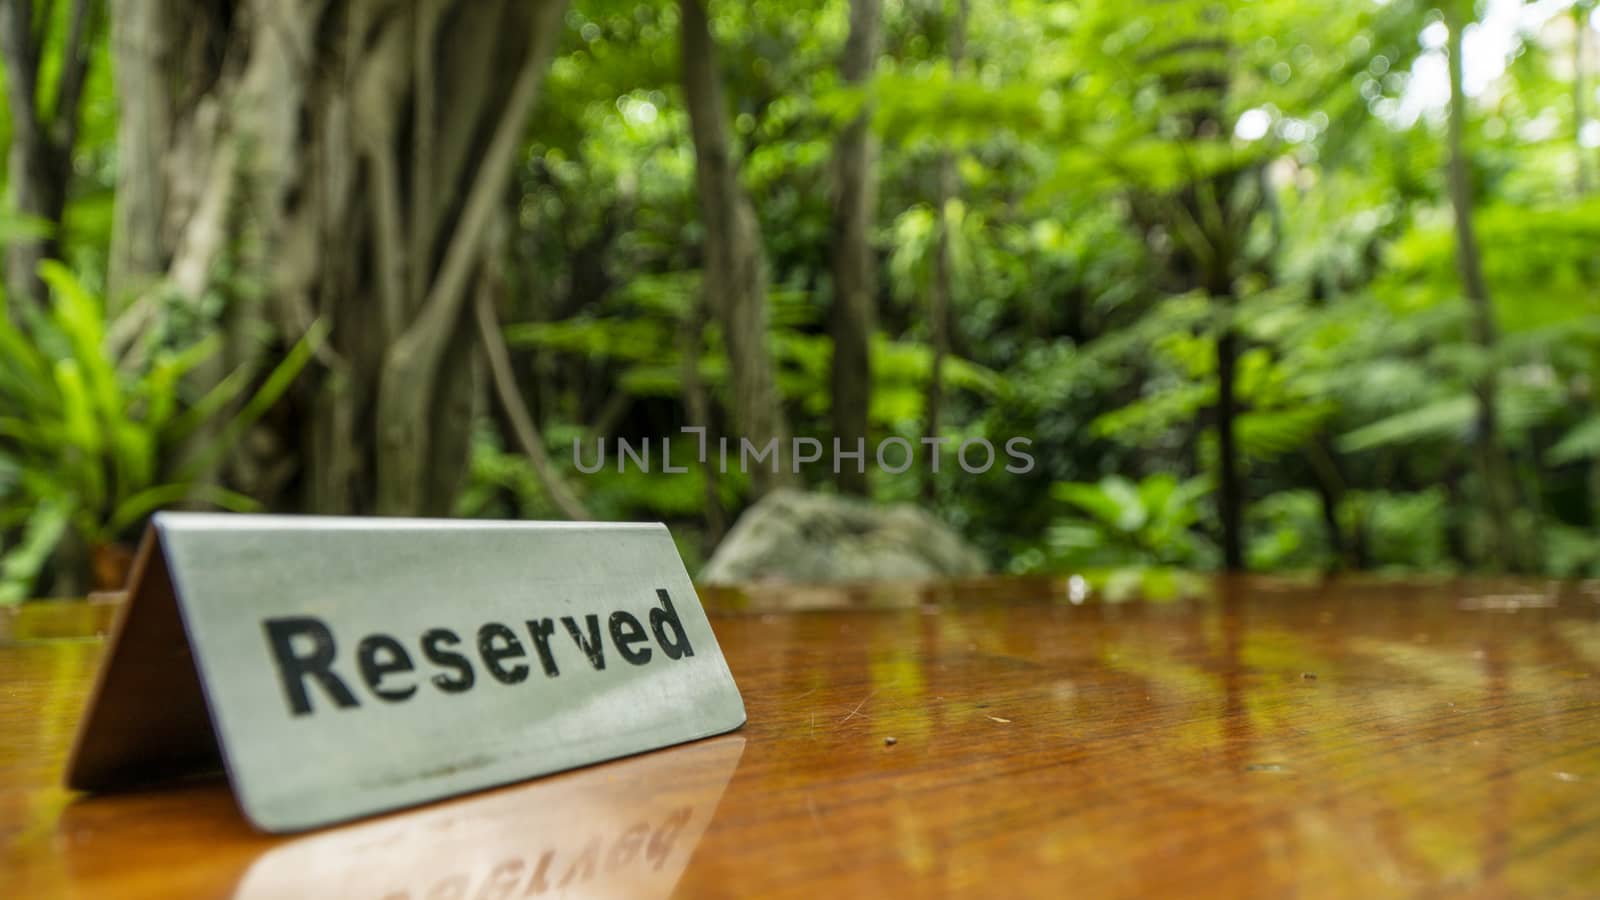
(624, 829)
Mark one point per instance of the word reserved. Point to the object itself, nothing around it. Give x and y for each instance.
(307, 653)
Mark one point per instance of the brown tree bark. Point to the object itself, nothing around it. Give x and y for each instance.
(39, 165)
(342, 160)
(735, 272)
(940, 286)
(143, 44)
(1494, 467)
(855, 280)
(527, 433)
(1230, 484)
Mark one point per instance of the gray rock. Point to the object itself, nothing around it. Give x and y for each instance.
(815, 538)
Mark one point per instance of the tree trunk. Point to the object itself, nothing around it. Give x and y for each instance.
(854, 263)
(735, 273)
(296, 159)
(1493, 465)
(1330, 487)
(39, 164)
(940, 289)
(522, 425)
(143, 42)
(1205, 220)
(1230, 488)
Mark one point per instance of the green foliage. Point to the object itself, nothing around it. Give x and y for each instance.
(1119, 522)
(1404, 531)
(42, 531)
(1539, 264)
(1286, 532)
(93, 449)
(1581, 442)
(1446, 419)
(1135, 181)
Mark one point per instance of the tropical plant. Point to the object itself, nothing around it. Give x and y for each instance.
(88, 450)
(1117, 522)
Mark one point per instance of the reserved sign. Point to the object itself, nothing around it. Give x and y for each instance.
(344, 667)
(305, 651)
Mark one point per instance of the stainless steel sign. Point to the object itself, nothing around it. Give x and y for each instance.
(350, 666)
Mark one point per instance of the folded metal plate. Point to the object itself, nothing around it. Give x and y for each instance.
(351, 666)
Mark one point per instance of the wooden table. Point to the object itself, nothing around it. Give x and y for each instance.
(995, 738)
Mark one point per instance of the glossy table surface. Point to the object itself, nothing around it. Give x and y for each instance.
(997, 738)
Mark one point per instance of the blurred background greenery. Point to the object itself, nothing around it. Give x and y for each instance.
(1270, 284)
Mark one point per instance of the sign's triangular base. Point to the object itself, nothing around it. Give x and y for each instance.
(341, 667)
(146, 717)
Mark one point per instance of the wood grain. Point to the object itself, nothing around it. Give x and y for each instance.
(1238, 737)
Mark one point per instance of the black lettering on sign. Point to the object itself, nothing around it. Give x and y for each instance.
(664, 619)
(625, 632)
(294, 667)
(497, 642)
(380, 655)
(305, 652)
(542, 629)
(591, 647)
(430, 648)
